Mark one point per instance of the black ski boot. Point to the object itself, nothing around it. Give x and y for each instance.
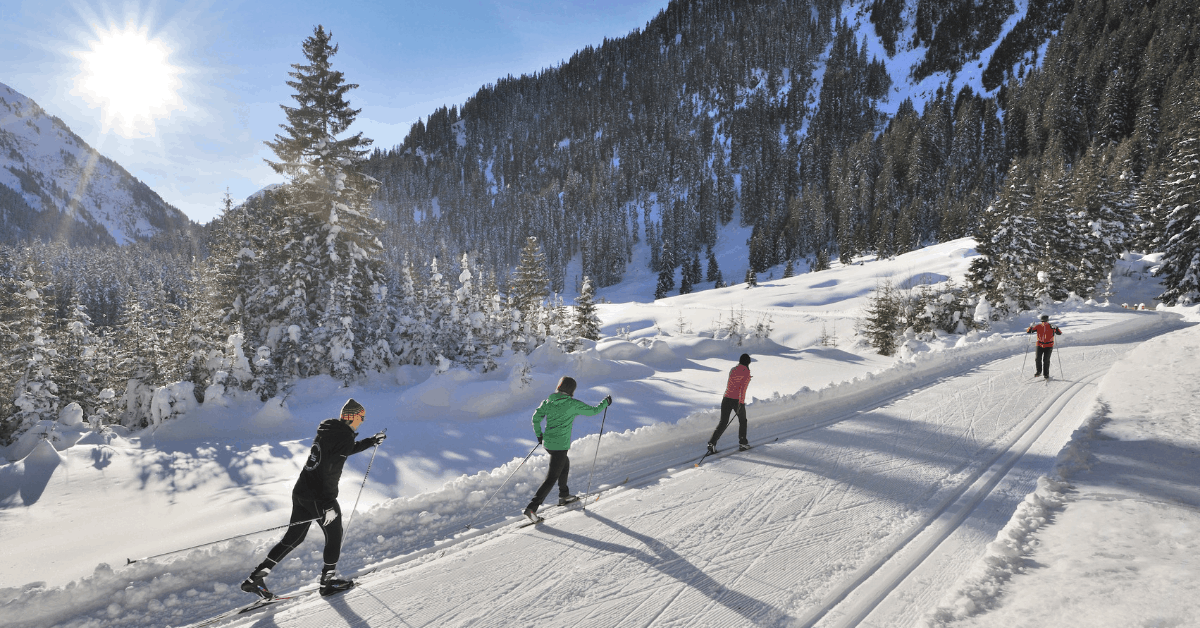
(567, 499)
(712, 449)
(256, 584)
(744, 447)
(332, 583)
(531, 513)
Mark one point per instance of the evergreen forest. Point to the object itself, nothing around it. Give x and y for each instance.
(451, 249)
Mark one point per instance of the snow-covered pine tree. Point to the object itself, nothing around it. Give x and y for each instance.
(412, 334)
(76, 365)
(685, 280)
(335, 334)
(751, 278)
(1057, 234)
(30, 360)
(587, 323)
(1180, 271)
(135, 370)
(1102, 191)
(531, 283)
(331, 244)
(203, 329)
(9, 291)
(469, 317)
(438, 310)
(881, 325)
(666, 273)
(714, 271)
(1005, 241)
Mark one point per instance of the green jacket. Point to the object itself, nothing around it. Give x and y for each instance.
(560, 411)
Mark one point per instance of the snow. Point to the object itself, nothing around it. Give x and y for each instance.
(943, 486)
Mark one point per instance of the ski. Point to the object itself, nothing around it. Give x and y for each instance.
(337, 591)
(530, 523)
(241, 610)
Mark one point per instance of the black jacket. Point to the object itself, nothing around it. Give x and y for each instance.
(334, 443)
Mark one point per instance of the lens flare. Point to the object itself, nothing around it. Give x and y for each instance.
(129, 77)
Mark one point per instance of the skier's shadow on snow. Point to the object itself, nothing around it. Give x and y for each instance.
(670, 563)
(337, 603)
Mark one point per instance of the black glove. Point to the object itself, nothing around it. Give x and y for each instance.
(378, 438)
(539, 440)
(608, 400)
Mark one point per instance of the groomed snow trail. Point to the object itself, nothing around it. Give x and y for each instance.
(862, 513)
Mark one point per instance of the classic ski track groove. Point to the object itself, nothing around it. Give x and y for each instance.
(995, 469)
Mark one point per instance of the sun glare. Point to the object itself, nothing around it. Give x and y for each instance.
(128, 76)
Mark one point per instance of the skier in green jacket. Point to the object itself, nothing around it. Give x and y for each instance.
(559, 412)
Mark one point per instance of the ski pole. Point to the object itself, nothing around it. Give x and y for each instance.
(360, 488)
(510, 476)
(1060, 371)
(589, 490)
(1026, 359)
(130, 561)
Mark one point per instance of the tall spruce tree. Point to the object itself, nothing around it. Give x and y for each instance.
(587, 323)
(531, 284)
(332, 257)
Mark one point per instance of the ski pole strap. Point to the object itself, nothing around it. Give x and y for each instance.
(130, 561)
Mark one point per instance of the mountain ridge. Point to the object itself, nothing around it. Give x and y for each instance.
(55, 186)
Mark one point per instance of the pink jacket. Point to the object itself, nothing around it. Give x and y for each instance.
(739, 380)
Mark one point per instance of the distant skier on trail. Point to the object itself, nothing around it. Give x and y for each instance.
(1045, 344)
(314, 498)
(559, 412)
(734, 400)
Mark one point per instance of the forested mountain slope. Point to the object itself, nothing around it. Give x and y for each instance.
(804, 121)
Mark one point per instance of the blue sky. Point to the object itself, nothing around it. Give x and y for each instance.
(229, 63)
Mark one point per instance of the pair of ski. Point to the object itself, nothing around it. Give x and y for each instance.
(540, 518)
(739, 448)
(260, 604)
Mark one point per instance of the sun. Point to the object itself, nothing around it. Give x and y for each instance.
(128, 75)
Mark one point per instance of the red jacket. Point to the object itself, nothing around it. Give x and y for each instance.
(739, 379)
(1045, 332)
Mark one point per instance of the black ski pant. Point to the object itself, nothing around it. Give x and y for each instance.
(1042, 361)
(729, 405)
(303, 512)
(560, 466)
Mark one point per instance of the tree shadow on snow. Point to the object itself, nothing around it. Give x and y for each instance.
(30, 476)
(661, 557)
(1151, 469)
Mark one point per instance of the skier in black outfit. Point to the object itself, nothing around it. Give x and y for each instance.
(314, 498)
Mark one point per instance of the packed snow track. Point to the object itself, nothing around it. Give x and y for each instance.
(862, 510)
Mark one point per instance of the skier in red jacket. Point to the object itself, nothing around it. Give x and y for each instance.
(734, 400)
(1045, 344)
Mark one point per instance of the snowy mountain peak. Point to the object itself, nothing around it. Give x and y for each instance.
(54, 185)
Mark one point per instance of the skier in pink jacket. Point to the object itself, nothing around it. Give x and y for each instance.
(734, 400)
